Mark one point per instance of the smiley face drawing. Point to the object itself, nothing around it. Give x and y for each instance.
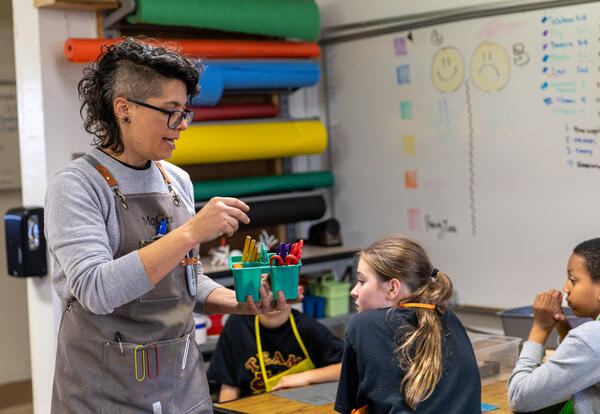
(447, 69)
(490, 67)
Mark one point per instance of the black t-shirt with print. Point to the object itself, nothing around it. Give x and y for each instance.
(235, 361)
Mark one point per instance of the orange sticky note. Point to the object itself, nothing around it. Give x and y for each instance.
(408, 144)
(410, 179)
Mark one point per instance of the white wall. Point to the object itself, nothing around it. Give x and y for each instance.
(50, 130)
(340, 12)
(14, 340)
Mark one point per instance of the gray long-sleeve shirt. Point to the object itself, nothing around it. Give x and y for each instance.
(572, 371)
(83, 233)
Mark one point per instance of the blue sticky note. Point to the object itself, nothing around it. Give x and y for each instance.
(403, 74)
(488, 407)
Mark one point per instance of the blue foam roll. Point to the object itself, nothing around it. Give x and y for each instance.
(220, 76)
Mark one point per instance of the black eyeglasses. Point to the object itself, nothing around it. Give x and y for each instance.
(175, 117)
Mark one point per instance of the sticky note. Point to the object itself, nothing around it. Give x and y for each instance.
(488, 407)
(400, 46)
(410, 179)
(408, 144)
(414, 219)
(403, 74)
(406, 111)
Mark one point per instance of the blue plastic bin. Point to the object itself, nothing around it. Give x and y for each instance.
(518, 321)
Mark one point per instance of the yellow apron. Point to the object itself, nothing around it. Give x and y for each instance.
(304, 365)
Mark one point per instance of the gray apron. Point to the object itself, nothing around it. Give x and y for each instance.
(157, 367)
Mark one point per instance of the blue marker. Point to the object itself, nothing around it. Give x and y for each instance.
(162, 228)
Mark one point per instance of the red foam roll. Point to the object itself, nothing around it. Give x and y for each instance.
(215, 113)
(80, 50)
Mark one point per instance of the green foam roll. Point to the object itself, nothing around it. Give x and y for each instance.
(297, 19)
(269, 184)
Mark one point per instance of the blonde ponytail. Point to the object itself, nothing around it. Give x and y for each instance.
(420, 348)
(420, 352)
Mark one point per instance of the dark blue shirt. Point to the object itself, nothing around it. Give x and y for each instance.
(371, 373)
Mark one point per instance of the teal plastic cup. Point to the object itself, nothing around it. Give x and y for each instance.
(285, 278)
(246, 281)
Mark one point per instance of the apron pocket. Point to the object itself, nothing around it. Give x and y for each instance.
(191, 381)
(152, 388)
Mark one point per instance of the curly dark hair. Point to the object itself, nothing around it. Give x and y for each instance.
(590, 251)
(133, 68)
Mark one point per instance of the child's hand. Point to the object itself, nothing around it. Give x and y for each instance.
(547, 309)
(293, 380)
(559, 314)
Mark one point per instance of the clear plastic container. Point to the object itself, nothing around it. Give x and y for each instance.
(496, 355)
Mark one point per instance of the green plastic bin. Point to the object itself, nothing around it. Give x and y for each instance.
(337, 295)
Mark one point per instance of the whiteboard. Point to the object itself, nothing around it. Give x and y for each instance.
(10, 173)
(478, 138)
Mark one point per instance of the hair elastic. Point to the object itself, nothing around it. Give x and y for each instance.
(434, 273)
(417, 305)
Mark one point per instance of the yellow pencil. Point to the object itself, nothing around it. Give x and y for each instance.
(246, 245)
(251, 250)
(256, 254)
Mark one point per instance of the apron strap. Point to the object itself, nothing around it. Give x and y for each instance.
(259, 346)
(110, 180)
(297, 335)
(176, 199)
(261, 360)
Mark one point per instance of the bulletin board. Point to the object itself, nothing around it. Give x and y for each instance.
(478, 138)
(10, 173)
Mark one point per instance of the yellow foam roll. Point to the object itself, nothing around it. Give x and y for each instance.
(249, 141)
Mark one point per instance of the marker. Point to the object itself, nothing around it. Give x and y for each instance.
(162, 228)
(118, 339)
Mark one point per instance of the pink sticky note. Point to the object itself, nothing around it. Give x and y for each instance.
(414, 219)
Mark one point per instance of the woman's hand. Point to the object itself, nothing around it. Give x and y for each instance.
(266, 303)
(220, 216)
(300, 379)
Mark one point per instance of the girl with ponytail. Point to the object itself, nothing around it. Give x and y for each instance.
(405, 351)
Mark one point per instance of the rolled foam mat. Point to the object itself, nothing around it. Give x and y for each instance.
(248, 141)
(238, 187)
(239, 75)
(80, 50)
(297, 19)
(284, 211)
(216, 113)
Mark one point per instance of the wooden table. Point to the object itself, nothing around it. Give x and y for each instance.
(494, 394)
